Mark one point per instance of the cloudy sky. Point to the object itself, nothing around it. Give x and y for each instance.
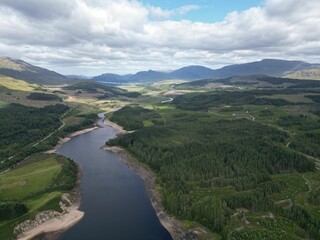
(91, 37)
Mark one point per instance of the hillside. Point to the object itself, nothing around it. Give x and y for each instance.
(21, 70)
(252, 81)
(235, 162)
(310, 74)
(270, 67)
(100, 91)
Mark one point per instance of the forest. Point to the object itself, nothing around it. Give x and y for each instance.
(139, 117)
(107, 91)
(210, 168)
(21, 126)
(204, 101)
(43, 97)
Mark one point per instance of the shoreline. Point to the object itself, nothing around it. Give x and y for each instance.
(70, 215)
(115, 126)
(56, 224)
(170, 223)
(69, 137)
(61, 221)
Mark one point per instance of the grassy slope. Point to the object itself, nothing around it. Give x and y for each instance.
(17, 91)
(18, 85)
(31, 184)
(31, 179)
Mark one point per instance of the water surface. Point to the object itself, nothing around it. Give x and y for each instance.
(114, 199)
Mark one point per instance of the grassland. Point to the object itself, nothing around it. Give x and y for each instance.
(18, 91)
(18, 85)
(38, 183)
(3, 104)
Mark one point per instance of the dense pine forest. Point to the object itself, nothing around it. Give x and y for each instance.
(236, 162)
(22, 126)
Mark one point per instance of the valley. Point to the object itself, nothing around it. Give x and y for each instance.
(233, 158)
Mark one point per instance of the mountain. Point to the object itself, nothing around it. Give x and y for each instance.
(185, 73)
(112, 78)
(270, 67)
(148, 76)
(144, 76)
(78, 77)
(192, 73)
(21, 70)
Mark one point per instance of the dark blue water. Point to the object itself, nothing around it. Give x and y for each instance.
(114, 198)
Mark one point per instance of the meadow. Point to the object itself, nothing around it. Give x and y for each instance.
(38, 183)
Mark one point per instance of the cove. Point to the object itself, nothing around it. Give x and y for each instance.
(114, 198)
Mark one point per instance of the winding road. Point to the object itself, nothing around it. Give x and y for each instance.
(55, 131)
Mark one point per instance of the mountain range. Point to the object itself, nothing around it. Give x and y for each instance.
(22, 70)
(270, 67)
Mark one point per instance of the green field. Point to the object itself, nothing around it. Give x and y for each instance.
(3, 104)
(19, 85)
(29, 180)
(38, 183)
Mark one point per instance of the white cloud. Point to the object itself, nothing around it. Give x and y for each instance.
(95, 36)
(159, 13)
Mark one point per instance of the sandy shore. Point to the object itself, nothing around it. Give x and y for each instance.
(174, 226)
(53, 227)
(56, 224)
(68, 138)
(115, 126)
(71, 215)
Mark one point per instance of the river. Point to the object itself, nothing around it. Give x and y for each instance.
(114, 198)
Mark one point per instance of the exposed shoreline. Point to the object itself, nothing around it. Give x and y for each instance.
(115, 126)
(57, 224)
(173, 225)
(71, 215)
(62, 221)
(69, 137)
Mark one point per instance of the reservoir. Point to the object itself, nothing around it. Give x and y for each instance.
(114, 198)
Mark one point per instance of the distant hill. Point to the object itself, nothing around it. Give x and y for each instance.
(270, 67)
(110, 77)
(185, 73)
(102, 90)
(310, 74)
(252, 81)
(78, 77)
(192, 73)
(21, 70)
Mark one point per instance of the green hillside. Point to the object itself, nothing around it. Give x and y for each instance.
(37, 185)
(235, 162)
(21, 70)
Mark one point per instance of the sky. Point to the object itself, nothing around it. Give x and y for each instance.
(91, 37)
